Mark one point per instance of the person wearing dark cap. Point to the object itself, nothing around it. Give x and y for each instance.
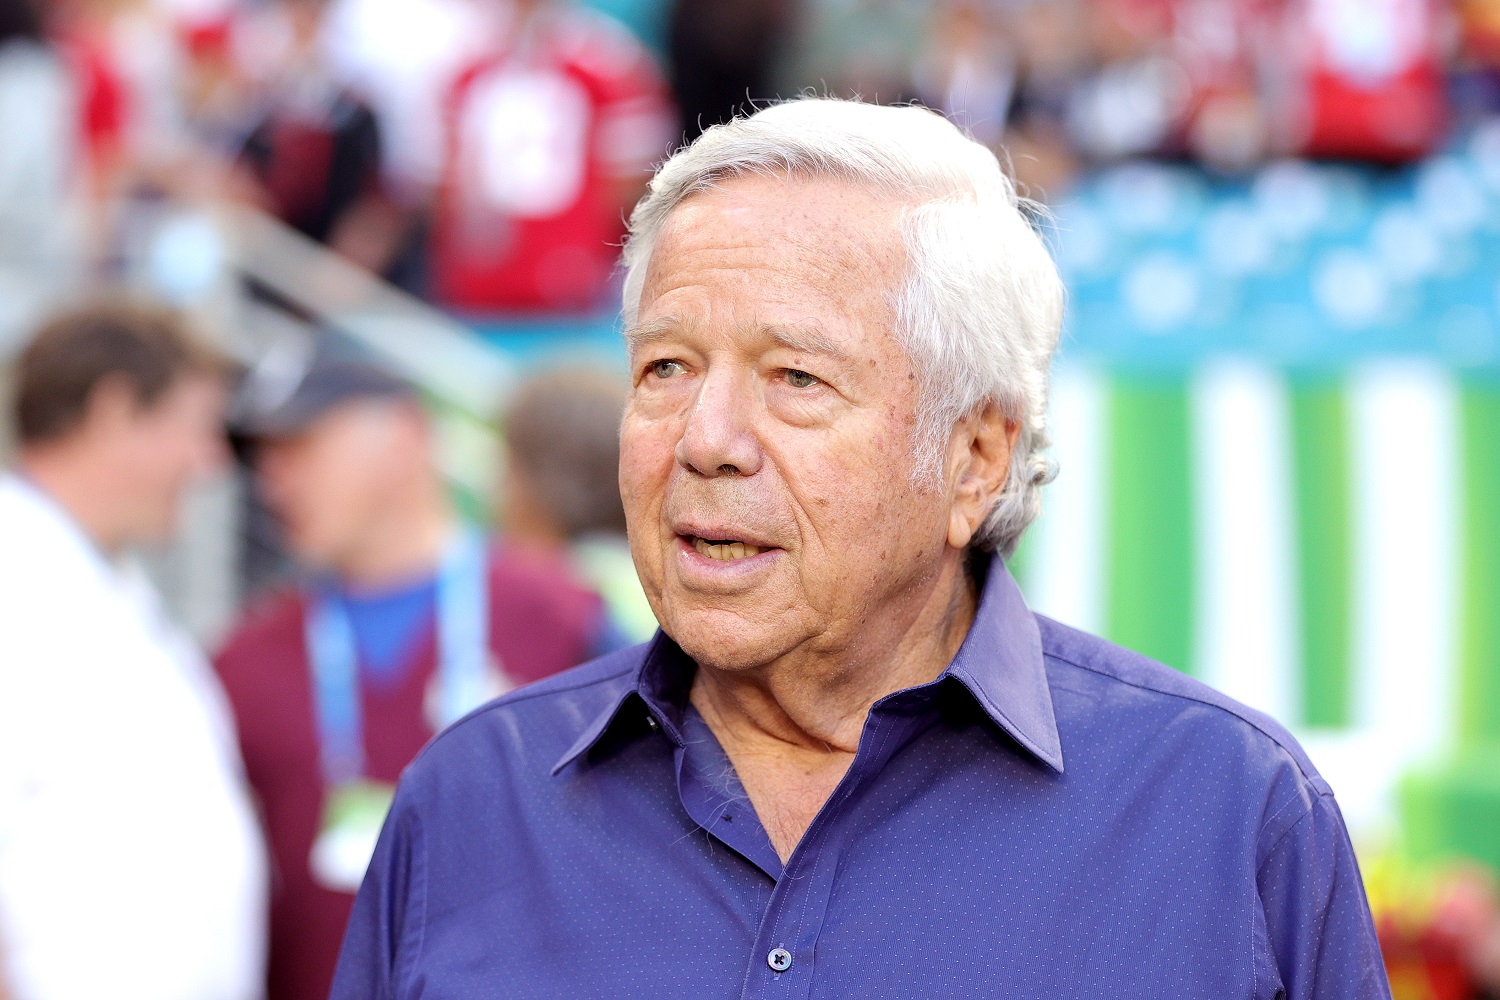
(404, 620)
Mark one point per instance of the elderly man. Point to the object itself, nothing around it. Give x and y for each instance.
(852, 763)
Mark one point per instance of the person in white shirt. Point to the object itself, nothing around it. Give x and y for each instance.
(131, 864)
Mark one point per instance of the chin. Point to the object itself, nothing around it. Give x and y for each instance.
(728, 641)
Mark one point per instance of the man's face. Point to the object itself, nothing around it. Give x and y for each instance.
(328, 484)
(767, 450)
(161, 449)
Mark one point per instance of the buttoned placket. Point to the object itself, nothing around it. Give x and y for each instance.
(782, 959)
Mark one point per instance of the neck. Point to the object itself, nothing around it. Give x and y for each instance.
(405, 545)
(818, 700)
(81, 488)
(791, 729)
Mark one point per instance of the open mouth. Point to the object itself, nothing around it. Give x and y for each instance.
(724, 549)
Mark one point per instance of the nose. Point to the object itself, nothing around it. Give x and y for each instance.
(718, 438)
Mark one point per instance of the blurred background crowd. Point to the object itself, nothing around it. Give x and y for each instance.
(378, 238)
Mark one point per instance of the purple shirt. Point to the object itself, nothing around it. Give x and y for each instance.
(1053, 817)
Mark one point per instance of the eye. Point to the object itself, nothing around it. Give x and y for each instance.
(799, 379)
(665, 369)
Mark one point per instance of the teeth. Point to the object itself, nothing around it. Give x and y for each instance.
(725, 551)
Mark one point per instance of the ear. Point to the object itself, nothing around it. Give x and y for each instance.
(979, 459)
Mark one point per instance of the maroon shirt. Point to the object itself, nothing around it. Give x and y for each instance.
(541, 622)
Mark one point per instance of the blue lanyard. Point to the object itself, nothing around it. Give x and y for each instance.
(462, 646)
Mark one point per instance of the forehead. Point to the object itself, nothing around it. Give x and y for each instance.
(189, 392)
(779, 242)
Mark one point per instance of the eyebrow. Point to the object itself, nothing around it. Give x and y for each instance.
(806, 340)
(650, 333)
(800, 337)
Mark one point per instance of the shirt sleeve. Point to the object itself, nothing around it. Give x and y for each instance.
(380, 941)
(1320, 938)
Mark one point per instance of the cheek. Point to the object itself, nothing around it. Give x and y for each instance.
(356, 490)
(312, 491)
(646, 458)
(861, 502)
(161, 458)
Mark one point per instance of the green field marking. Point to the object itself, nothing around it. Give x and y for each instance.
(1149, 528)
(1479, 553)
(1322, 502)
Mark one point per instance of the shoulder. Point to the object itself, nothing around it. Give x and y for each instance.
(256, 644)
(273, 614)
(537, 581)
(1112, 696)
(513, 562)
(34, 535)
(1116, 666)
(50, 575)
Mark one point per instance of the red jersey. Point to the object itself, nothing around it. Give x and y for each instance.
(103, 98)
(543, 136)
(541, 622)
(1374, 83)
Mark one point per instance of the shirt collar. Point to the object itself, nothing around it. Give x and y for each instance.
(1000, 664)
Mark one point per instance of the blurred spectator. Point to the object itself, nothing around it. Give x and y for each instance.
(215, 92)
(864, 48)
(1134, 93)
(403, 56)
(968, 70)
(1476, 71)
(551, 137)
(130, 864)
(562, 436)
(407, 620)
(1220, 47)
(104, 105)
(128, 59)
(723, 55)
(1370, 79)
(315, 151)
(1051, 55)
(37, 164)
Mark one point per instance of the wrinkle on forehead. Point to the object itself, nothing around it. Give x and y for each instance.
(835, 230)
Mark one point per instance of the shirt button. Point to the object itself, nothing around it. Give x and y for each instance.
(651, 722)
(779, 960)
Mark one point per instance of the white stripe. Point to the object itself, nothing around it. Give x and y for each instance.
(1245, 635)
(1403, 439)
(1065, 564)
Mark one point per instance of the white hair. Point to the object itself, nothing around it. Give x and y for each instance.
(980, 308)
